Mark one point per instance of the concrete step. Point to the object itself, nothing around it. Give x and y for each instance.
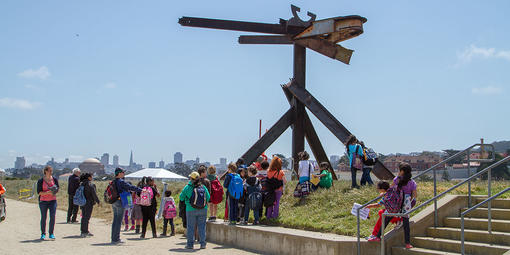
(496, 213)
(449, 245)
(496, 203)
(418, 251)
(482, 236)
(477, 223)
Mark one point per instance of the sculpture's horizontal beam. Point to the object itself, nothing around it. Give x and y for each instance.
(327, 48)
(240, 26)
(265, 39)
(335, 29)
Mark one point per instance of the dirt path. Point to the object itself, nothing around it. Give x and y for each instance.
(19, 234)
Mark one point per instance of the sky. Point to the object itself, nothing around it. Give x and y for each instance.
(81, 78)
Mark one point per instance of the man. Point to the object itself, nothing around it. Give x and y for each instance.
(118, 210)
(72, 185)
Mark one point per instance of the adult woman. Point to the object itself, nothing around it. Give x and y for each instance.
(306, 167)
(275, 172)
(89, 191)
(149, 212)
(47, 188)
(354, 152)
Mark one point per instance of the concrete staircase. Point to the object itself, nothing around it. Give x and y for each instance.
(446, 239)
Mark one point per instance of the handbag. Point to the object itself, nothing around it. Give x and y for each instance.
(126, 199)
(314, 179)
(356, 160)
(53, 189)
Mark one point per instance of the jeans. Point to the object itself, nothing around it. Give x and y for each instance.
(118, 211)
(45, 206)
(365, 177)
(172, 227)
(232, 208)
(72, 210)
(148, 213)
(405, 222)
(353, 177)
(196, 218)
(86, 212)
(274, 211)
(256, 214)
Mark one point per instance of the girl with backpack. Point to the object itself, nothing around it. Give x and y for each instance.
(169, 212)
(216, 193)
(233, 192)
(253, 196)
(407, 186)
(136, 212)
(354, 153)
(306, 167)
(47, 188)
(149, 205)
(196, 197)
(89, 192)
(275, 174)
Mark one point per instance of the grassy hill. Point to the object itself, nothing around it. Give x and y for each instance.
(323, 211)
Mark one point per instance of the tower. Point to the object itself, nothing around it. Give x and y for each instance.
(131, 159)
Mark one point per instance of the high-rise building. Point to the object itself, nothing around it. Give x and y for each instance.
(105, 159)
(131, 159)
(115, 160)
(19, 163)
(152, 164)
(161, 164)
(178, 158)
(197, 160)
(223, 161)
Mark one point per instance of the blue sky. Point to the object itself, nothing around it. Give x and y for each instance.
(80, 78)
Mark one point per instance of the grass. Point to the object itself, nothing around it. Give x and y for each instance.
(323, 211)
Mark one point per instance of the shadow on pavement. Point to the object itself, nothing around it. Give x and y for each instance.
(183, 250)
(72, 237)
(103, 244)
(32, 241)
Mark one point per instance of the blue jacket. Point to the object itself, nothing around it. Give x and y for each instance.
(122, 186)
(352, 149)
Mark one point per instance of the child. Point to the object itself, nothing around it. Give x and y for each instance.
(243, 172)
(326, 176)
(169, 212)
(232, 203)
(252, 187)
(216, 193)
(382, 187)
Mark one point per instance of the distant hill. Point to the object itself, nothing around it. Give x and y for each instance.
(501, 146)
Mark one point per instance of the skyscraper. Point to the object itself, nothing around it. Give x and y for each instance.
(152, 164)
(115, 160)
(223, 161)
(161, 164)
(131, 159)
(178, 158)
(105, 159)
(197, 160)
(19, 163)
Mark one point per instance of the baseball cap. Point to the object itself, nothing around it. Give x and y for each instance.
(119, 170)
(194, 175)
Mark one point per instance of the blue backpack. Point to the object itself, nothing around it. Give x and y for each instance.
(235, 187)
(79, 198)
(198, 199)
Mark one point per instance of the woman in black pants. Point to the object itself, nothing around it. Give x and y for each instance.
(89, 191)
(149, 212)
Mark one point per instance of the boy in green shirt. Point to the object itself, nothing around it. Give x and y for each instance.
(325, 175)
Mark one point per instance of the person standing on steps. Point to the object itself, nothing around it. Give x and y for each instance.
(89, 191)
(72, 184)
(118, 210)
(47, 188)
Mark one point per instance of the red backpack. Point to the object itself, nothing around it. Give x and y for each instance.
(216, 192)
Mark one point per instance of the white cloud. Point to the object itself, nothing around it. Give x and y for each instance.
(18, 103)
(41, 73)
(472, 52)
(110, 85)
(489, 90)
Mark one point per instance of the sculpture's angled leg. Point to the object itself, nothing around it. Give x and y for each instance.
(298, 131)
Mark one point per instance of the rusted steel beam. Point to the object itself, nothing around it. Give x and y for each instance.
(265, 39)
(298, 131)
(312, 137)
(240, 25)
(327, 48)
(335, 29)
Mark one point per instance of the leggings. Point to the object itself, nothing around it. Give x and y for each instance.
(126, 217)
(148, 213)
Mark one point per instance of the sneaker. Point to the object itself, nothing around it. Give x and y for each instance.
(256, 223)
(89, 234)
(163, 235)
(52, 237)
(132, 228)
(232, 223)
(374, 239)
(43, 236)
(126, 228)
(244, 223)
(188, 247)
(202, 246)
(370, 237)
(172, 234)
(398, 225)
(120, 241)
(83, 235)
(409, 246)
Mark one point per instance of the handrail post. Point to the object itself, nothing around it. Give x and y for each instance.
(435, 200)
(383, 226)
(359, 246)
(489, 177)
(462, 233)
(469, 175)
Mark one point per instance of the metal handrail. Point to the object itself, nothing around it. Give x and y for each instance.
(487, 169)
(432, 168)
(474, 207)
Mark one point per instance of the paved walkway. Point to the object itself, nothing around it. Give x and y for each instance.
(19, 234)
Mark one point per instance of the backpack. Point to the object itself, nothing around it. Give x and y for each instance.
(146, 196)
(268, 199)
(369, 157)
(110, 194)
(170, 211)
(393, 199)
(216, 192)
(254, 199)
(198, 199)
(235, 187)
(79, 198)
(273, 183)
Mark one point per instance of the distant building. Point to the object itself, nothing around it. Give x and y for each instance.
(105, 159)
(19, 163)
(418, 163)
(190, 163)
(223, 161)
(93, 166)
(161, 164)
(177, 158)
(115, 160)
(152, 164)
(334, 160)
(131, 159)
(197, 160)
